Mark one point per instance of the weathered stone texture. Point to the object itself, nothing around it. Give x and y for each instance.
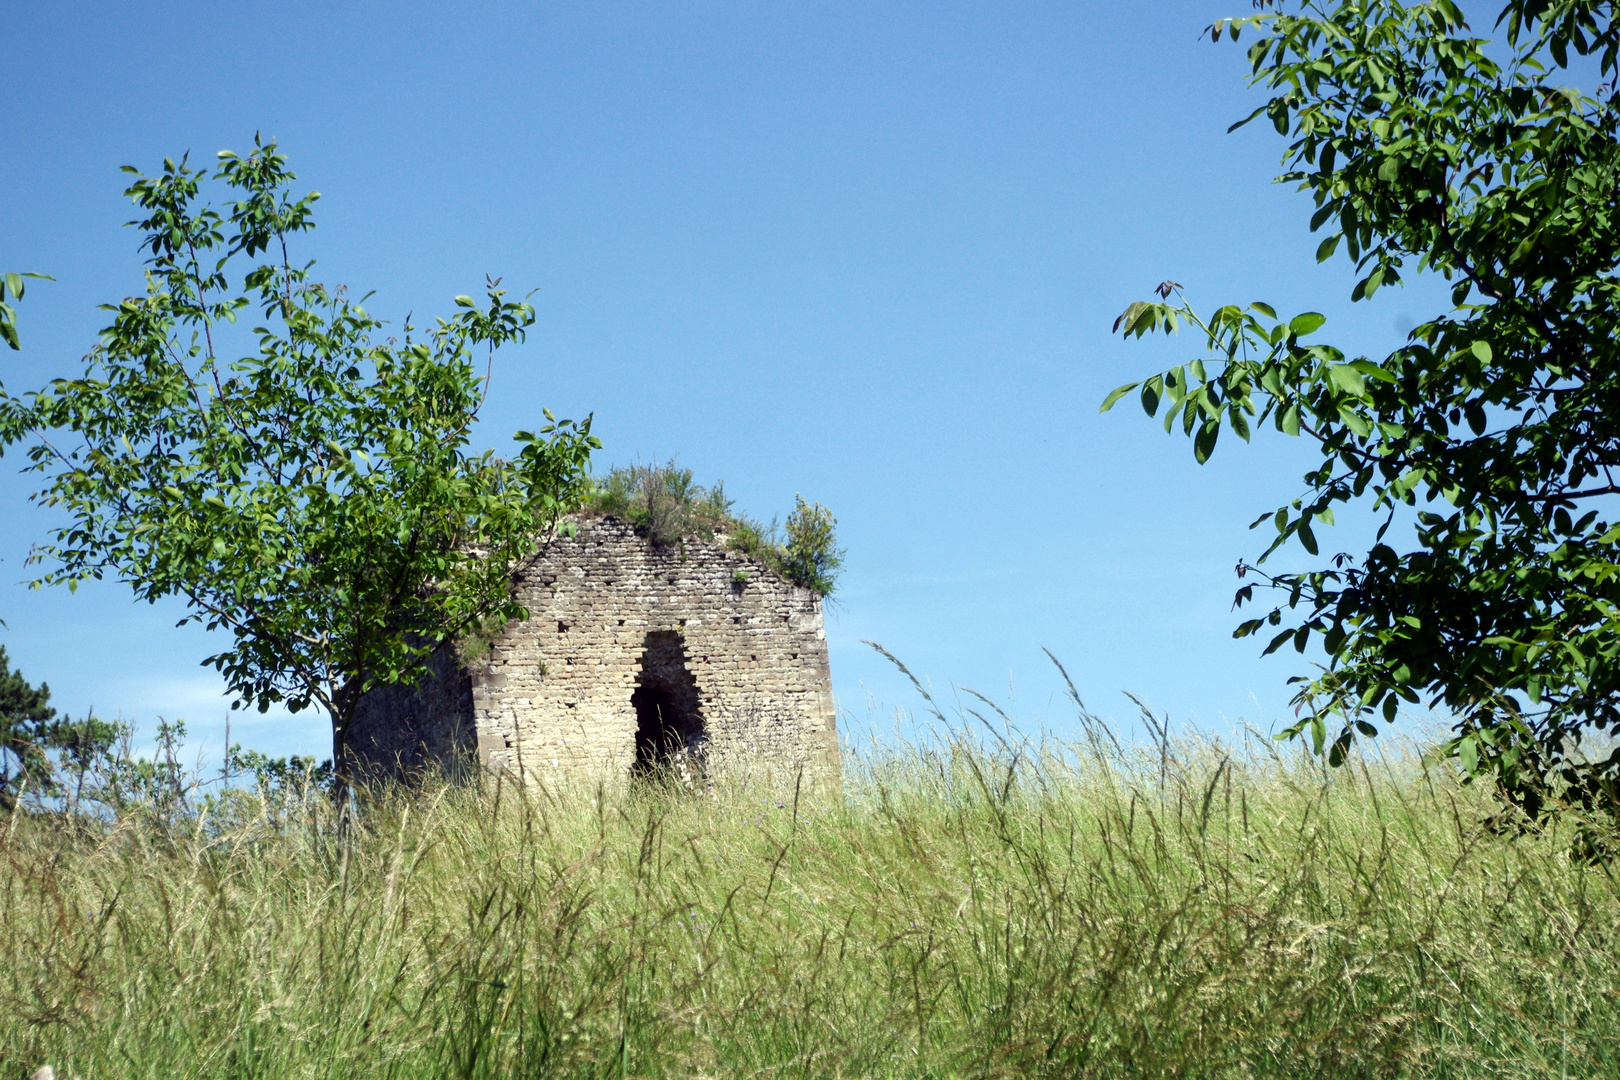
(624, 635)
(402, 730)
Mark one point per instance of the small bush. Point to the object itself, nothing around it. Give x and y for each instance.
(752, 538)
(811, 555)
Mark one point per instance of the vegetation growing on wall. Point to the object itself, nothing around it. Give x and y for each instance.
(663, 502)
(666, 505)
(810, 554)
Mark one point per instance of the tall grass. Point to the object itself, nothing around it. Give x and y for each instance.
(963, 909)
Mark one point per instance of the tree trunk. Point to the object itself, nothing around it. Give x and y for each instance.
(342, 759)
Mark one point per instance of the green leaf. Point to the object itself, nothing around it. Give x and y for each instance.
(1111, 399)
(1175, 384)
(1170, 414)
(1372, 371)
(1354, 420)
(1239, 422)
(1246, 119)
(1481, 349)
(1204, 441)
(1325, 250)
(1468, 753)
(1288, 419)
(1307, 323)
(1131, 316)
(1307, 538)
(1150, 394)
(1347, 379)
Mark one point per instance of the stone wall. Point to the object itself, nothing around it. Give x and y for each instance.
(403, 730)
(632, 654)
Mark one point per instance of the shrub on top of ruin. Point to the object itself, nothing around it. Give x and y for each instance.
(664, 504)
(811, 555)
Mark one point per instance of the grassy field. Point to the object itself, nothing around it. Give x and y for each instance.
(960, 911)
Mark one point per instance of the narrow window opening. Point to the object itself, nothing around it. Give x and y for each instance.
(671, 737)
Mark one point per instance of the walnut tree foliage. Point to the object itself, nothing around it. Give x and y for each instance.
(12, 287)
(1487, 443)
(252, 442)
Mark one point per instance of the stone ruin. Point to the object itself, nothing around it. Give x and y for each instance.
(635, 657)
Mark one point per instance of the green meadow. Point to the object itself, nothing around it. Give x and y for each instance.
(961, 908)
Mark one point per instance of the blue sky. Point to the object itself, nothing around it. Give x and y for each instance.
(870, 253)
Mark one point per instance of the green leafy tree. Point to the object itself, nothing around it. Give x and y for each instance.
(28, 731)
(1487, 444)
(314, 494)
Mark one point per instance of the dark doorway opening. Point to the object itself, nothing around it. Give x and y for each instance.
(670, 735)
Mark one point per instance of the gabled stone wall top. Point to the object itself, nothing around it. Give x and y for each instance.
(630, 651)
